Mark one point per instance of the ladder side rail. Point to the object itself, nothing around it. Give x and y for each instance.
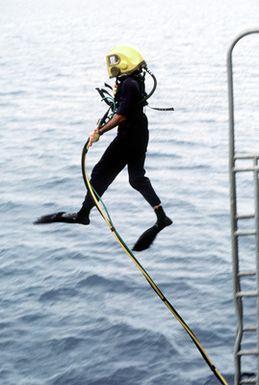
(234, 222)
(256, 174)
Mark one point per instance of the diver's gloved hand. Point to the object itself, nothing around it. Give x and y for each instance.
(94, 137)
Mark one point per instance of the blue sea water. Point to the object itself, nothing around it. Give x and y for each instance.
(73, 307)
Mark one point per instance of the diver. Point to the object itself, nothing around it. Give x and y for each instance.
(129, 147)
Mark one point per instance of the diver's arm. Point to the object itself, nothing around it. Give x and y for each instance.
(115, 121)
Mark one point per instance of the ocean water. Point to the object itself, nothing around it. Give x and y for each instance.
(73, 307)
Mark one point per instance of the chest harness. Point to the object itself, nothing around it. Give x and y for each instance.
(107, 95)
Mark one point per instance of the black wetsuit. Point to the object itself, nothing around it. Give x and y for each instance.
(128, 148)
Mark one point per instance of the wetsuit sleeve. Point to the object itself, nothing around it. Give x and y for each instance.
(129, 96)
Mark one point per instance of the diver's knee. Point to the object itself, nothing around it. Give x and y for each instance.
(138, 183)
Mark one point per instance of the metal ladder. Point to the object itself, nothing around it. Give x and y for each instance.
(241, 233)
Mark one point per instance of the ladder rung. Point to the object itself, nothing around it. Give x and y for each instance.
(242, 233)
(248, 381)
(246, 273)
(248, 216)
(246, 156)
(245, 169)
(250, 328)
(246, 294)
(248, 353)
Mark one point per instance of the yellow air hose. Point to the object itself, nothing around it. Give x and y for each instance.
(104, 213)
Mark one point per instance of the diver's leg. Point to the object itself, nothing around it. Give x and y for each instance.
(103, 174)
(141, 183)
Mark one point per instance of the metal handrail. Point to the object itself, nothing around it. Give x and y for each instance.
(234, 215)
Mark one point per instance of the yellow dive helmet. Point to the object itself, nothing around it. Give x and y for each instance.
(123, 60)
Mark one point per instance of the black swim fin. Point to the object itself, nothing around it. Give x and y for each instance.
(148, 237)
(61, 216)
